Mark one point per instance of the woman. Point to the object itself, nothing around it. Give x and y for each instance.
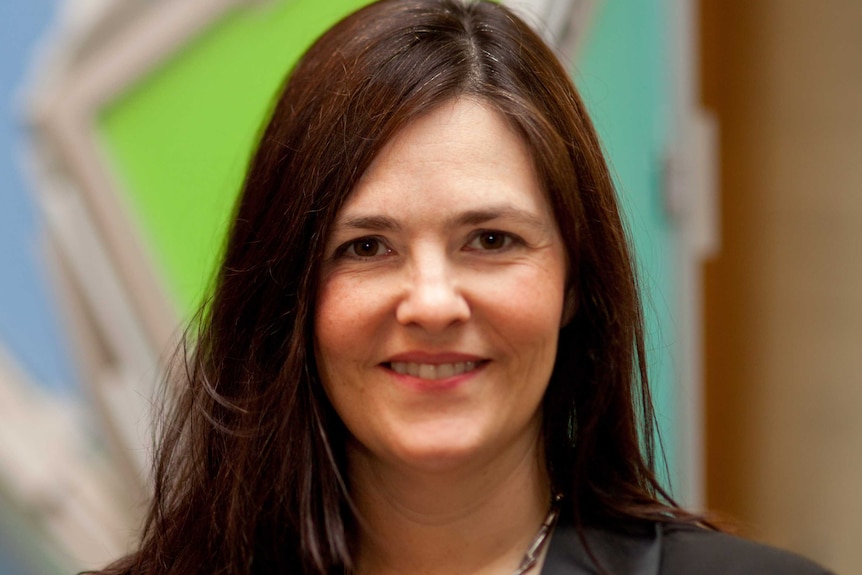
(424, 353)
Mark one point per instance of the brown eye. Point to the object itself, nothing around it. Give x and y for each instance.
(366, 248)
(490, 240)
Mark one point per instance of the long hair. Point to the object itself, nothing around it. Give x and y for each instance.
(248, 476)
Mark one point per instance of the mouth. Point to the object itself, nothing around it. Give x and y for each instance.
(434, 371)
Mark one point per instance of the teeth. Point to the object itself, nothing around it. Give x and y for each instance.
(445, 370)
(432, 370)
(427, 371)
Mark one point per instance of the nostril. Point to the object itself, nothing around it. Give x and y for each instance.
(432, 298)
(433, 313)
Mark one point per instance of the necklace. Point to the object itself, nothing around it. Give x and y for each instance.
(535, 548)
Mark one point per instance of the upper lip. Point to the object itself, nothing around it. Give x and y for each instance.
(434, 358)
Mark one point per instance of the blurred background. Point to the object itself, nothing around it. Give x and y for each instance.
(734, 129)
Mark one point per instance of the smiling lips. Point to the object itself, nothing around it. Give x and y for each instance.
(434, 366)
(432, 370)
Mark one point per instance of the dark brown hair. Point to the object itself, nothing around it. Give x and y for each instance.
(248, 476)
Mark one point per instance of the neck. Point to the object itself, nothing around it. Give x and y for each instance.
(477, 520)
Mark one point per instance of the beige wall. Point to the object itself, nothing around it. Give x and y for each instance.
(784, 298)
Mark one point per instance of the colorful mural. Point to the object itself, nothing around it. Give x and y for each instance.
(140, 118)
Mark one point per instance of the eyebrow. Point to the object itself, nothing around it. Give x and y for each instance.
(381, 223)
(469, 217)
(504, 212)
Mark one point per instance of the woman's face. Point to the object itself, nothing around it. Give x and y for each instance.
(442, 295)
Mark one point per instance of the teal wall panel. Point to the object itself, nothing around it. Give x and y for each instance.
(623, 74)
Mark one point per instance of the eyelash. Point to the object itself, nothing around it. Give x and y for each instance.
(345, 249)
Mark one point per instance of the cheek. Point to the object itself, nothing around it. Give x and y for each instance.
(335, 316)
(329, 333)
(344, 326)
(332, 332)
(526, 308)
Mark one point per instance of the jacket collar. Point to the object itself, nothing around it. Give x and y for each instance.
(635, 553)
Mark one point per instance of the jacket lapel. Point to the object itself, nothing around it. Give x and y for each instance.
(618, 552)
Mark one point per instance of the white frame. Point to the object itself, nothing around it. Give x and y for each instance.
(692, 198)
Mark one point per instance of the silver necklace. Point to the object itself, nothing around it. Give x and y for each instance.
(538, 543)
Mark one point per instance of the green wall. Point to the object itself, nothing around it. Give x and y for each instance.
(180, 140)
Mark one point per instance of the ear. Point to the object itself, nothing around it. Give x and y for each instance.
(570, 306)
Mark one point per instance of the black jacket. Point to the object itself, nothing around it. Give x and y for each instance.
(668, 549)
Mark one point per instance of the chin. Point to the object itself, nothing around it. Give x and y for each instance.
(461, 453)
(438, 456)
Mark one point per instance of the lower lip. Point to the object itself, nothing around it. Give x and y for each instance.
(443, 384)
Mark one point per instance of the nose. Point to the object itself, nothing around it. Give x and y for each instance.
(432, 297)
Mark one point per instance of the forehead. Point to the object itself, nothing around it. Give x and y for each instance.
(462, 154)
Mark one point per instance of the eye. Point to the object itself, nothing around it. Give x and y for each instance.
(490, 240)
(364, 248)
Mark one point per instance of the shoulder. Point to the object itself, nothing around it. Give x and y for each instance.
(687, 549)
(667, 549)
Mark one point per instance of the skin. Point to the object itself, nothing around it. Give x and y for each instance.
(445, 258)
